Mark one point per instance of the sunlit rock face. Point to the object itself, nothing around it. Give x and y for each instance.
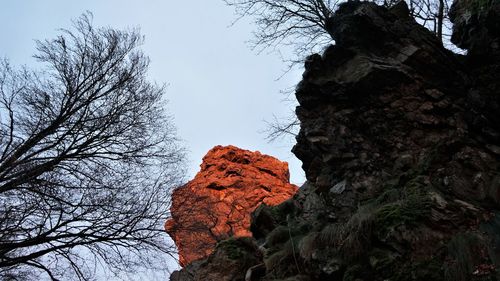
(217, 203)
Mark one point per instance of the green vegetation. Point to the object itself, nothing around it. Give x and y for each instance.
(237, 248)
(357, 234)
(413, 205)
(277, 237)
(405, 200)
(403, 204)
(282, 211)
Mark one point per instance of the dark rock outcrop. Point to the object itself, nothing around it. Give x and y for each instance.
(217, 203)
(400, 142)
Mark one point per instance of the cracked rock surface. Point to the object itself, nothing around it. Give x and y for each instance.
(217, 203)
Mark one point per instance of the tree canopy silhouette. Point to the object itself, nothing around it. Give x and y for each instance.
(87, 156)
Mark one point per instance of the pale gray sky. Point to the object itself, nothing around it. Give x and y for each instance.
(220, 91)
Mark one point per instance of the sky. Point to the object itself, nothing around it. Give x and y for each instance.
(219, 90)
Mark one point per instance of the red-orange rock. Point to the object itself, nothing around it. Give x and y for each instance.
(217, 203)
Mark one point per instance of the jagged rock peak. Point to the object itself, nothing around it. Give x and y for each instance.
(217, 203)
(227, 158)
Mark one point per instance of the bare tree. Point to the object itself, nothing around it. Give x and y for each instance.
(303, 24)
(280, 128)
(87, 158)
(433, 14)
(300, 23)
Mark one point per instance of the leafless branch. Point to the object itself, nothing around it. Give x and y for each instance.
(87, 158)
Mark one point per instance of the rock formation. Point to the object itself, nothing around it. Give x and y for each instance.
(400, 142)
(217, 203)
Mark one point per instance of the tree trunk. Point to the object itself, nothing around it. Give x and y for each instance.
(440, 18)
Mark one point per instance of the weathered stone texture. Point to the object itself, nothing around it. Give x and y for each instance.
(217, 203)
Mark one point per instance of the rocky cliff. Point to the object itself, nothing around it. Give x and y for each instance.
(400, 142)
(217, 203)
